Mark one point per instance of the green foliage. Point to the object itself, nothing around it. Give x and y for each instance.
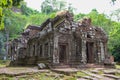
(26, 10)
(52, 15)
(37, 19)
(4, 63)
(2, 38)
(49, 6)
(81, 74)
(116, 15)
(14, 23)
(116, 52)
(6, 4)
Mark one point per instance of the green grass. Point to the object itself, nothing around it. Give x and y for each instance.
(81, 74)
(68, 78)
(117, 74)
(3, 77)
(117, 66)
(4, 63)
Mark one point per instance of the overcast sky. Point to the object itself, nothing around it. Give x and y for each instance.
(82, 6)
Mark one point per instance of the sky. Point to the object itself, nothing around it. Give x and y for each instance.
(82, 6)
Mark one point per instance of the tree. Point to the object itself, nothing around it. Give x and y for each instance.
(14, 23)
(116, 15)
(6, 4)
(113, 1)
(70, 8)
(26, 10)
(37, 19)
(49, 6)
(1, 45)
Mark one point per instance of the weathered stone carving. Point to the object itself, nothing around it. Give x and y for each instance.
(61, 41)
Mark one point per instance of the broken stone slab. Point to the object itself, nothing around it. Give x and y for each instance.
(118, 71)
(90, 78)
(110, 71)
(94, 71)
(54, 75)
(66, 71)
(41, 66)
(21, 71)
(81, 79)
(91, 74)
(112, 76)
(96, 76)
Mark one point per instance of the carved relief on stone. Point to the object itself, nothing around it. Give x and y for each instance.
(63, 39)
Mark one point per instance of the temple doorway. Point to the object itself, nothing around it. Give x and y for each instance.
(62, 53)
(90, 52)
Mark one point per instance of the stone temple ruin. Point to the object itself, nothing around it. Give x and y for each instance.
(61, 41)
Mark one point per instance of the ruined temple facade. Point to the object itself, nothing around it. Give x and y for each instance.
(60, 40)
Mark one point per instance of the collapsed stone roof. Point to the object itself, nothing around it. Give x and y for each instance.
(32, 27)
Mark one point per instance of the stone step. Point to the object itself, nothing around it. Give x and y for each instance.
(95, 71)
(94, 66)
(91, 74)
(89, 78)
(96, 76)
(54, 75)
(61, 66)
(109, 71)
(81, 79)
(66, 71)
(112, 76)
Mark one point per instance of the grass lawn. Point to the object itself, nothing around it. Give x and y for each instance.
(4, 63)
(117, 66)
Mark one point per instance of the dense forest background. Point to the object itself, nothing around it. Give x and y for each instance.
(15, 16)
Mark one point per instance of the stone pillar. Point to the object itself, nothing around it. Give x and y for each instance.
(36, 49)
(49, 49)
(105, 49)
(69, 46)
(27, 50)
(55, 51)
(95, 54)
(31, 50)
(43, 50)
(102, 51)
(84, 57)
(99, 52)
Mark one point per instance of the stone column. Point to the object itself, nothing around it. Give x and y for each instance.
(30, 50)
(102, 51)
(43, 50)
(49, 49)
(94, 52)
(70, 49)
(84, 60)
(27, 50)
(99, 51)
(105, 48)
(55, 51)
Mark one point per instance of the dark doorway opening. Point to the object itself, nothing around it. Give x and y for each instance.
(62, 53)
(90, 52)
